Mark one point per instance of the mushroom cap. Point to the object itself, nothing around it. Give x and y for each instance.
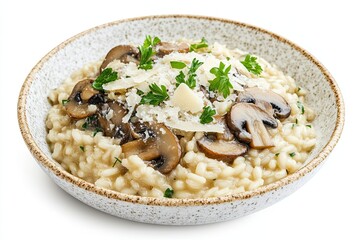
(80, 98)
(262, 98)
(247, 120)
(161, 147)
(222, 150)
(125, 53)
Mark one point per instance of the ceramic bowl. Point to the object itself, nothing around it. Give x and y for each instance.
(89, 46)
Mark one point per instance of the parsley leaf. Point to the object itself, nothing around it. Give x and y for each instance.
(147, 51)
(202, 44)
(191, 82)
(301, 107)
(97, 130)
(206, 115)
(106, 76)
(156, 95)
(251, 65)
(65, 101)
(221, 82)
(309, 126)
(292, 154)
(177, 65)
(82, 148)
(180, 78)
(116, 160)
(168, 193)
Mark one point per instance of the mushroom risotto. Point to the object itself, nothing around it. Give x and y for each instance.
(184, 119)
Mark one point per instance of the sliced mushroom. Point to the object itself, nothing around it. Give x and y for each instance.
(279, 107)
(165, 48)
(124, 53)
(161, 147)
(82, 100)
(110, 119)
(223, 150)
(247, 121)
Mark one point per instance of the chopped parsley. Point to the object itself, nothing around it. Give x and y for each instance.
(292, 154)
(147, 51)
(301, 107)
(206, 115)
(64, 102)
(191, 81)
(296, 120)
(96, 131)
(277, 154)
(221, 82)
(156, 95)
(139, 92)
(106, 76)
(251, 64)
(117, 160)
(196, 46)
(168, 193)
(82, 148)
(177, 65)
(309, 126)
(91, 120)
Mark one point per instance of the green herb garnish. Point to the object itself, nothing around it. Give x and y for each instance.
(139, 92)
(292, 154)
(221, 82)
(64, 102)
(301, 107)
(202, 44)
(82, 148)
(296, 120)
(168, 193)
(177, 65)
(277, 154)
(91, 120)
(206, 115)
(156, 95)
(191, 81)
(97, 130)
(251, 64)
(147, 51)
(117, 160)
(309, 126)
(106, 76)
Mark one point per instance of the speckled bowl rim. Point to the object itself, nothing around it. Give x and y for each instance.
(61, 173)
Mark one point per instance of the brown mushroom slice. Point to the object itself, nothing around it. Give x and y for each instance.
(124, 53)
(263, 98)
(165, 48)
(222, 150)
(161, 147)
(247, 121)
(114, 127)
(79, 102)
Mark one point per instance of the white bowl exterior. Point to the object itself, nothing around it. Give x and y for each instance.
(90, 47)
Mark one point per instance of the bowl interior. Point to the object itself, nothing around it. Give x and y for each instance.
(91, 45)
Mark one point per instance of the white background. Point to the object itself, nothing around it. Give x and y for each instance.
(32, 206)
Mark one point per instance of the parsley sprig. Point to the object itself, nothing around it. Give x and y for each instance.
(251, 65)
(169, 193)
(221, 82)
(106, 76)
(147, 51)
(191, 81)
(207, 115)
(156, 95)
(202, 44)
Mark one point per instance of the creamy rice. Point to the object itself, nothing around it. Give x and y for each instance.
(92, 158)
